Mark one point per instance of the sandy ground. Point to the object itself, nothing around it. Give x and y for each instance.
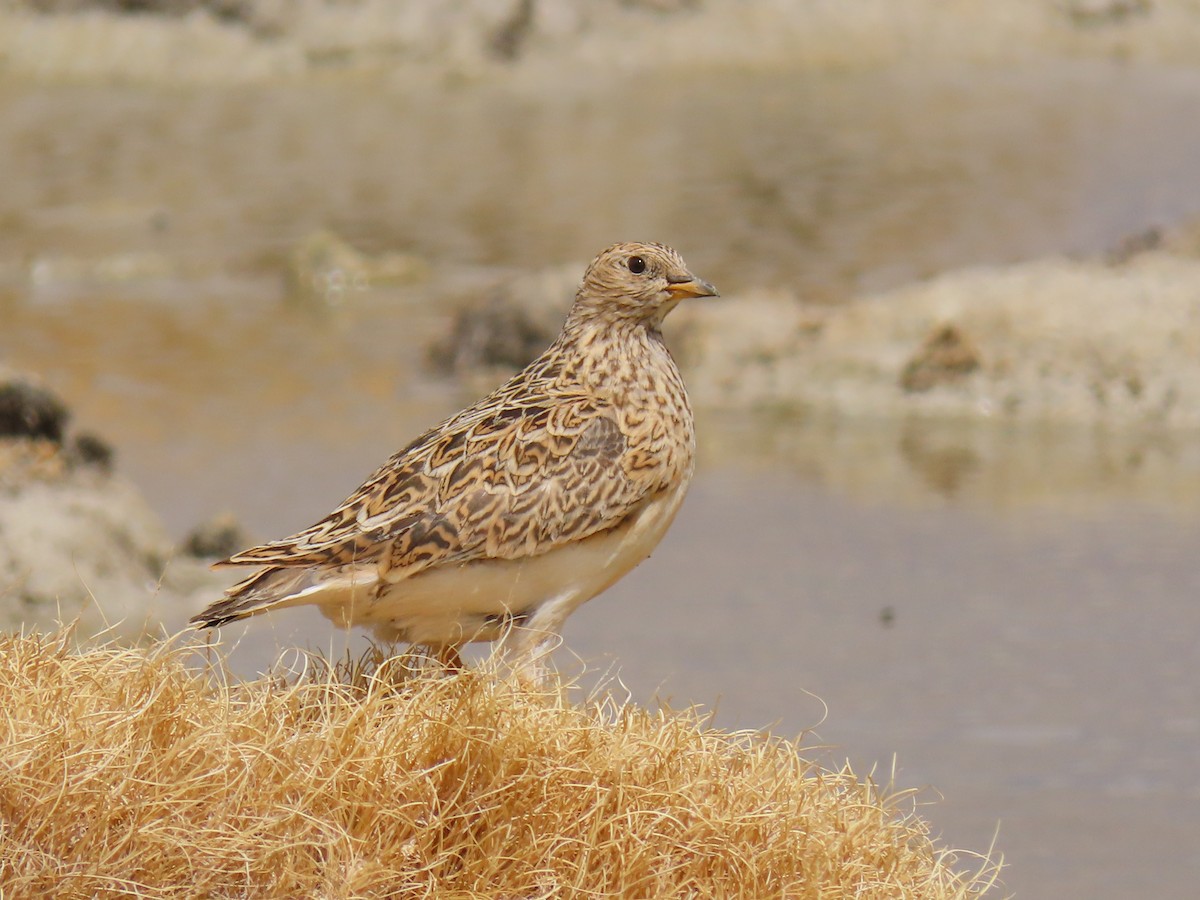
(1050, 341)
(206, 42)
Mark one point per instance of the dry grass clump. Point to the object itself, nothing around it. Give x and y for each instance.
(128, 772)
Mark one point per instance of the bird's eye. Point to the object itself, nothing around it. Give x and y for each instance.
(636, 264)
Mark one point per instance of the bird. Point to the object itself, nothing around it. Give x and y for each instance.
(499, 522)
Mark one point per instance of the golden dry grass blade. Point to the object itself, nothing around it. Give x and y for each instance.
(128, 772)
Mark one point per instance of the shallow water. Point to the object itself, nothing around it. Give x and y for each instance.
(1011, 618)
(829, 183)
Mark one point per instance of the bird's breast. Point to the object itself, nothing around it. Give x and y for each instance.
(656, 419)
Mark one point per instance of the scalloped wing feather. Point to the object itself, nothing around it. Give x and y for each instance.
(490, 483)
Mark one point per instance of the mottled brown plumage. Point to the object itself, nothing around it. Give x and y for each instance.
(511, 513)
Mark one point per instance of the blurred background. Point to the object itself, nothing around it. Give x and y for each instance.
(948, 500)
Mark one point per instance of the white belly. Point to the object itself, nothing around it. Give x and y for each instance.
(485, 599)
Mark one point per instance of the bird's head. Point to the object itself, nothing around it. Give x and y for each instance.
(638, 282)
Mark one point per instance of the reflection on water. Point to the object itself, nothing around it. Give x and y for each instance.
(998, 467)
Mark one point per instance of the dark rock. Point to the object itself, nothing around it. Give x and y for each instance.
(1134, 245)
(945, 356)
(217, 539)
(91, 450)
(518, 320)
(506, 43)
(30, 411)
(497, 334)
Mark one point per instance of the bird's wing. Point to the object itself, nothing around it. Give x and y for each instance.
(490, 483)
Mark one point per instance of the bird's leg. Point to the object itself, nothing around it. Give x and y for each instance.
(533, 674)
(526, 655)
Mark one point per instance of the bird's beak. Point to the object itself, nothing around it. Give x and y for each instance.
(688, 285)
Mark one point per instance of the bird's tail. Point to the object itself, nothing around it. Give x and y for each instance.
(271, 588)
